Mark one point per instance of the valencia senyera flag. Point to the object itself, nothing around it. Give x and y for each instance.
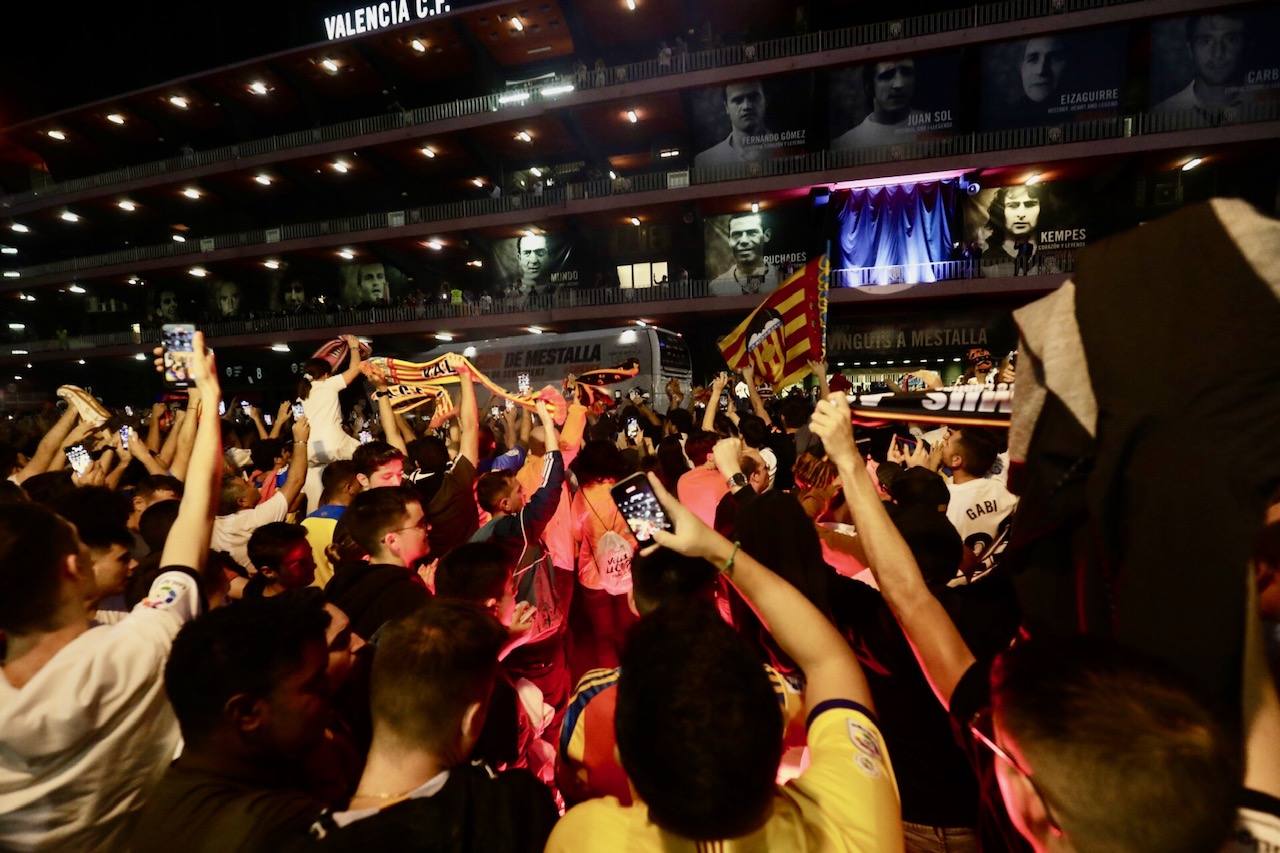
(785, 331)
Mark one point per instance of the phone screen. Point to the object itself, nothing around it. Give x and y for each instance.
(297, 411)
(639, 506)
(495, 412)
(177, 340)
(365, 436)
(632, 427)
(222, 408)
(522, 383)
(124, 438)
(78, 458)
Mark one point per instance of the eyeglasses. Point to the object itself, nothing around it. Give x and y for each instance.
(422, 525)
(983, 730)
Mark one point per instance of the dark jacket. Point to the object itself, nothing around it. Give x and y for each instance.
(372, 595)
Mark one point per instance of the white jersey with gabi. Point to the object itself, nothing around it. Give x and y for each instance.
(982, 511)
(83, 742)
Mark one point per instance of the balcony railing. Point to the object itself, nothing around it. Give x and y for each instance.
(563, 299)
(818, 162)
(720, 57)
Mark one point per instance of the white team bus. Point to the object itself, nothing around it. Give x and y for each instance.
(662, 356)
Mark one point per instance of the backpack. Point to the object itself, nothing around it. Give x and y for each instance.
(612, 553)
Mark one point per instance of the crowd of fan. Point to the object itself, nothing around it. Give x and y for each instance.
(457, 644)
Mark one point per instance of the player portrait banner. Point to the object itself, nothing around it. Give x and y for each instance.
(1032, 230)
(893, 101)
(748, 253)
(1221, 65)
(534, 262)
(785, 332)
(748, 121)
(1053, 79)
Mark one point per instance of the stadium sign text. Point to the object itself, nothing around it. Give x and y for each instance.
(378, 16)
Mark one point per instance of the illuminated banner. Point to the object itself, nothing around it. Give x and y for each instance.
(751, 120)
(748, 252)
(1041, 225)
(1216, 63)
(1053, 79)
(379, 16)
(533, 264)
(894, 101)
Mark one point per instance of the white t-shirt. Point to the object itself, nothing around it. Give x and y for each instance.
(82, 742)
(328, 441)
(231, 532)
(981, 510)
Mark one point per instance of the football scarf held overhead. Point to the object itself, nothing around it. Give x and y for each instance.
(784, 332)
(589, 388)
(335, 352)
(410, 384)
(967, 405)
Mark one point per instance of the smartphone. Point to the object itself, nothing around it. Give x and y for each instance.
(177, 340)
(78, 458)
(124, 438)
(128, 410)
(365, 436)
(244, 404)
(222, 408)
(266, 417)
(522, 383)
(633, 428)
(638, 504)
(495, 412)
(298, 414)
(741, 391)
(1013, 358)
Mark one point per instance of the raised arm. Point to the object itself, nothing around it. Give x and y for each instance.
(186, 437)
(938, 646)
(47, 451)
(255, 415)
(468, 417)
(831, 670)
(757, 404)
(153, 427)
(542, 504)
(353, 365)
(282, 414)
(390, 426)
(143, 454)
(188, 540)
(713, 404)
(297, 475)
(170, 447)
(819, 371)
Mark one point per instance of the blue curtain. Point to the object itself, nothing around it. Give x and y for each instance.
(895, 234)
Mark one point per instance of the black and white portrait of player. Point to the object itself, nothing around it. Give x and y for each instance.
(746, 106)
(1215, 44)
(749, 271)
(890, 87)
(1014, 223)
(533, 262)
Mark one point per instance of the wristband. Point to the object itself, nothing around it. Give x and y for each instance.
(728, 564)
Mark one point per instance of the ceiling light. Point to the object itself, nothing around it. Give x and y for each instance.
(346, 254)
(133, 279)
(558, 89)
(1192, 163)
(191, 193)
(613, 176)
(755, 207)
(68, 216)
(80, 361)
(18, 352)
(258, 87)
(954, 359)
(179, 102)
(140, 356)
(632, 117)
(340, 166)
(8, 250)
(428, 152)
(279, 347)
(26, 297)
(635, 220)
(418, 45)
(1032, 180)
(475, 263)
(19, 227)
(115, 118)
(75, 288)
(669, 152)
(479, 182)
(536, 172)
(271, 264)
(198, 272)
(524, 136)
(263, 179)
(126, 205)
(12, 274)
(329, 65)
(873, 363)
(469, 352)
(517, 24)
(16, 327)
(434, 245)
(58, 135)
(444, 336)
(17, 378)
(178, 238)
(631, 5)
(513, 97)
(535, 330)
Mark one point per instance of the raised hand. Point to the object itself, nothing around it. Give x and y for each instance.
(831, 423)
(691, 537)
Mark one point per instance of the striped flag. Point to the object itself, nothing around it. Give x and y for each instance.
(786, 331)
